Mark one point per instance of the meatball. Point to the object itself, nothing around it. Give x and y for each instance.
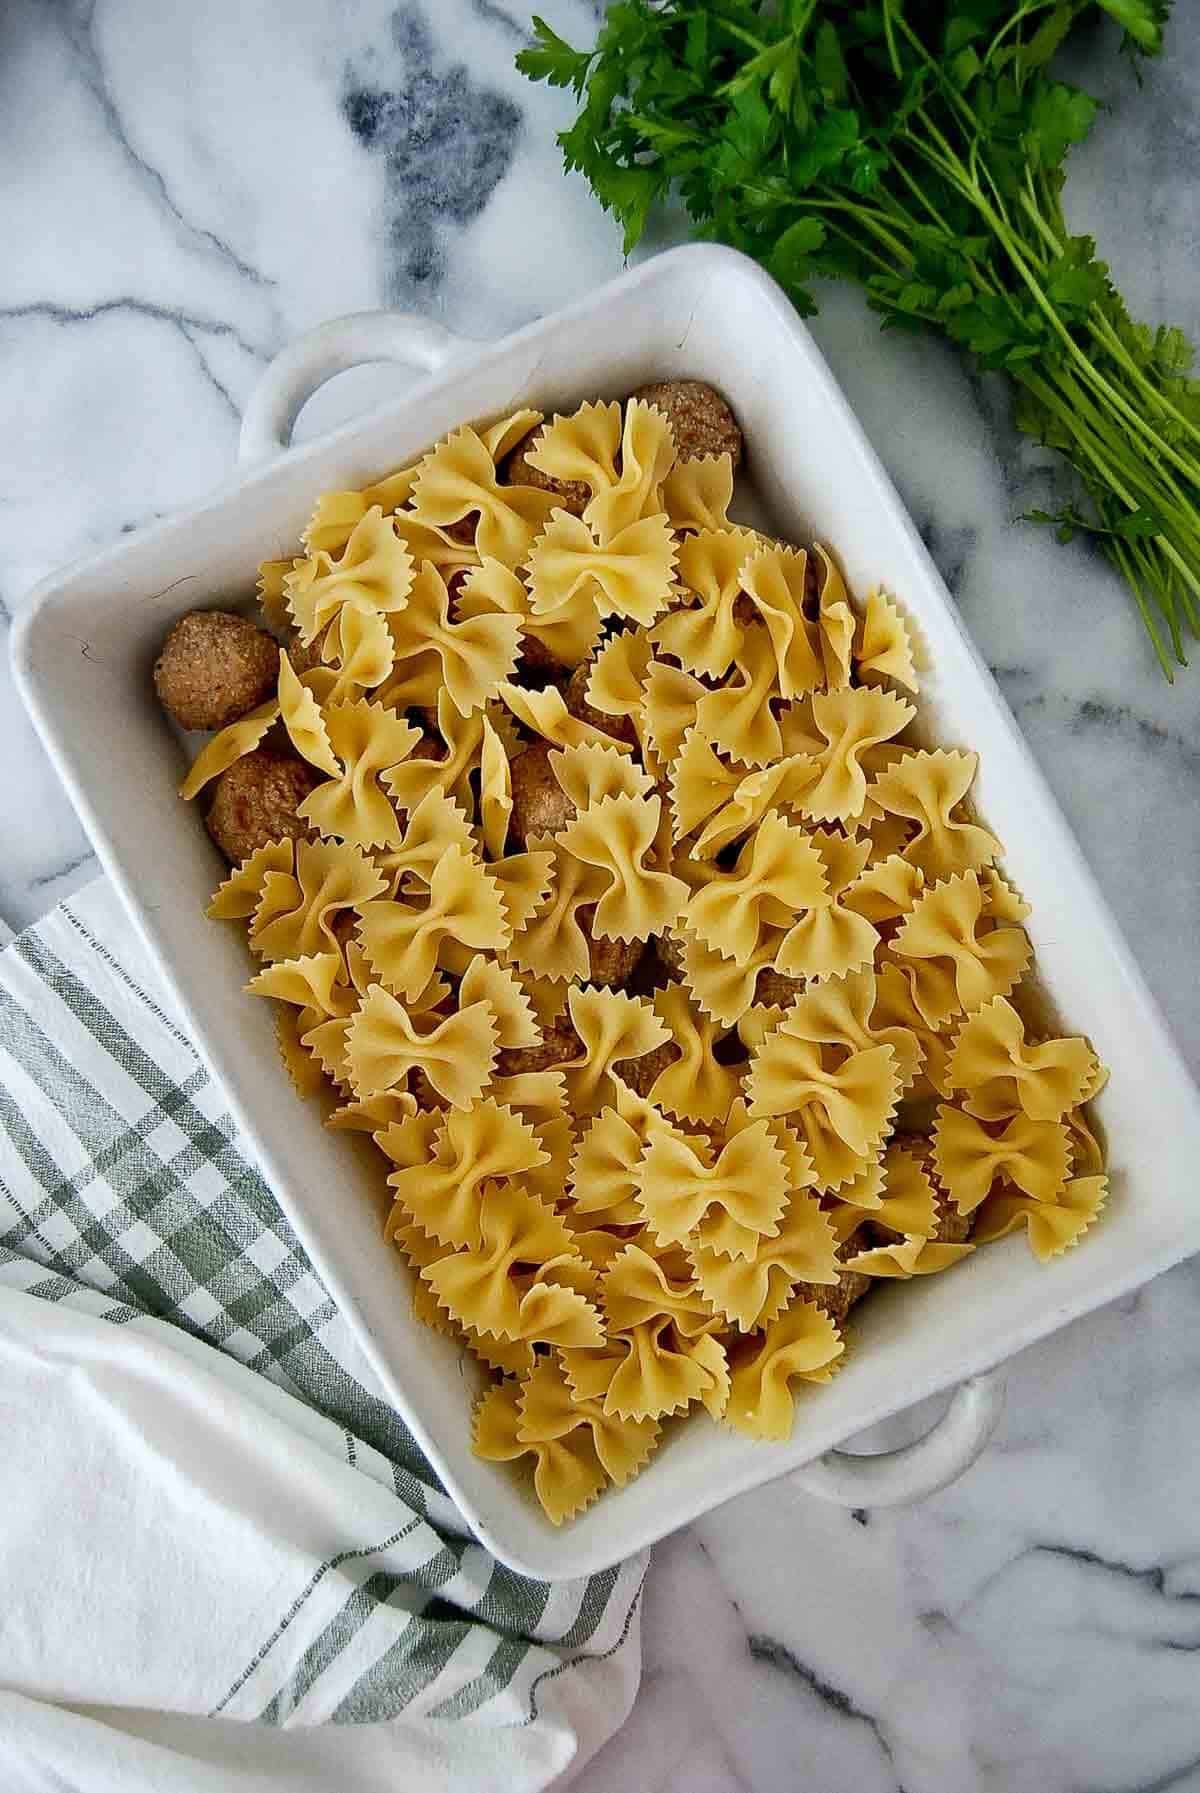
(559, 1044)
(463, 531)
(256, 801)
(702, 422)
(641, 1074)
(518, 470)
(214, 667)
(540, 806)
(773, 990)
(670, 949)
(836, 1298)
(613, 962)
(430, 747)
(952, 1227)
(303, 658)
(537, 667)
(575, 697)
(423, 1092)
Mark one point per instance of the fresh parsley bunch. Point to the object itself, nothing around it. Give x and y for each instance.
(917, 147)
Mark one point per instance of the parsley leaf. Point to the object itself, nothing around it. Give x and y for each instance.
(791, 259)
(1076, 281)
(550, 58)
(917, 147)
(1143, 20)
(1059, 117)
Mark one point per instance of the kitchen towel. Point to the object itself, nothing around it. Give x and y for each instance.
(225, 1564)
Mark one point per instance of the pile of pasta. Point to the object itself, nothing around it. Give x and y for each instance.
(817, 1079)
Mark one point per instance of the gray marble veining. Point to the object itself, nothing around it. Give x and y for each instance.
(187, 188)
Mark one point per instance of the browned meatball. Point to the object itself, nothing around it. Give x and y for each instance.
(540, 806)
(669, 948)
(746, 611)
(575, 697)
(559, 1043)
(702, 422)
(518, 470)
(952, 1227)
(773, 990)
(424, 1093)
(537, 666)
(214, 667)
(430, 747)
(343, 926)
(256, 801)
(641, 1074)
(836, 1298)
(613, 962)
(304, 658)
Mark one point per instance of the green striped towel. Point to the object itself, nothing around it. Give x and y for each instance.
(210, 1512)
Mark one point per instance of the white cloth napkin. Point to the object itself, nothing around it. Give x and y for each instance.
(224, 1563)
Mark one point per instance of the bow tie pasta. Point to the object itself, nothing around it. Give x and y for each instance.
(583, 845)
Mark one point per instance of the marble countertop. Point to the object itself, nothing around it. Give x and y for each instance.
(189, 187)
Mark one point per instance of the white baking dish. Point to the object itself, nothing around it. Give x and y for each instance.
(84, 650)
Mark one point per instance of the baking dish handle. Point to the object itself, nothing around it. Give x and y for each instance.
(895, 1478)
(332, 348)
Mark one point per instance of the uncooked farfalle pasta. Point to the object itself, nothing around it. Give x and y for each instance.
(594, 871)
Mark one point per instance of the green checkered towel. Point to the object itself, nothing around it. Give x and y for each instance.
(211, 1514)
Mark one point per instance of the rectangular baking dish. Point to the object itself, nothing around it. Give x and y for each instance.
(701, 312)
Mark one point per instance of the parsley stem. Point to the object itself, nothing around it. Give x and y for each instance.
(1161, 585)
(1014, 24)
(918, 150)
(870, 217)
(1081, 403)
(1116, 456)
(1033, 211)
(1087, 367)
(1119, 471)
(1072, 412)
(945, 161)
(1101, 326)
(997, 199)
(893, 57)
(1121, 561)
(1189, 578)
(1124, 478)
(882, 204)
(739, 31)
(952, 95)
(922, 198)
(862, 249)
